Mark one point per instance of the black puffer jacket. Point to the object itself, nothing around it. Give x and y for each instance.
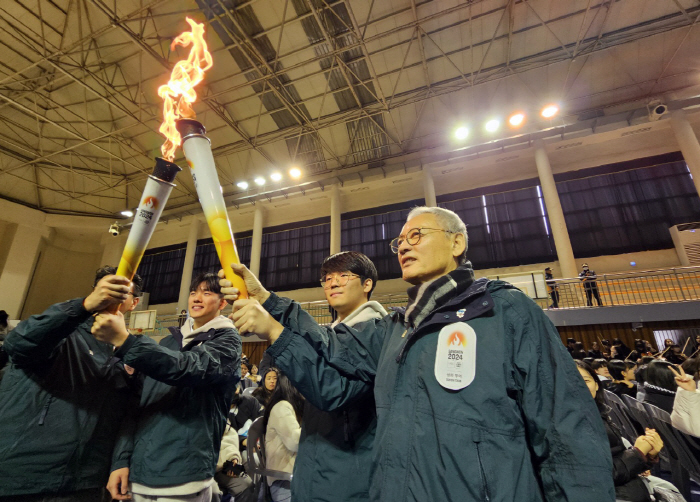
(628, 464)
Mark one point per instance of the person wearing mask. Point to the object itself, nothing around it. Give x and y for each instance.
(282, 431)
(640, 350)
(465, 408)
(622, 374)
(553, 288)
(595, 351)
(63, 399)
(263, 392)
(590, 285)
(189, 379)
(628, 463)
(660, 385)
(339, 443)
(686, 407)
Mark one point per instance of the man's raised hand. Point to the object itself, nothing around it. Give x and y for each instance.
(250, 317)
(110, 290)
(256, 291)
(110, 328)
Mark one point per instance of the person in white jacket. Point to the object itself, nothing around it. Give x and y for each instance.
(229, 475)
(686, 406)
(282, 421)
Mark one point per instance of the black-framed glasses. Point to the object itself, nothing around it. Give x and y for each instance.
(413, 237)
(341, 279)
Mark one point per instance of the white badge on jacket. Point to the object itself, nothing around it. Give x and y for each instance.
(455, 358)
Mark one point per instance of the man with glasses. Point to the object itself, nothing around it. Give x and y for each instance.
(63, 399)
(476, 397)
(339, 443)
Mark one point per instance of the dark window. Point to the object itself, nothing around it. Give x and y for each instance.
(207, 260)
(291, 259)
(161, 270)
(506, 229)
(628, 211)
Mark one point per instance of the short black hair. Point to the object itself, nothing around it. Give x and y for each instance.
(210, 280)
(599, 363)
(617, 366)
(107, 270)
(659, 373)
(351, 261)
(570, 340)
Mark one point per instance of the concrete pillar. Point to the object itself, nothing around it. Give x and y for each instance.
(256, 244)
(188, 265)
(429, 188)
(556, 216)
(688, 141)
(19, 269)
(335, 219)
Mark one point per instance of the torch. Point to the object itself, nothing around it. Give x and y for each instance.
(197, 149)
(155, 195)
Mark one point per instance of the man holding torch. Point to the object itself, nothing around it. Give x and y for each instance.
(189, 380)
(63, 398)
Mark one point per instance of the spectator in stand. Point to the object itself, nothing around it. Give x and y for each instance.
(595, 351)
(619, 350)
(264, 391)
(660, 385)
(181, 318)
(63, 399)
(640, 377)
(282, 421)
(244, 410)
(571, 345)
(675, 355)
(600, 367)
(230, 474)
(254, 375)
(628, 463)
(590, 285)
(579, 351)
(245, 380)
(553, 288)
(640, 350)
(622, 374)
(686, 407)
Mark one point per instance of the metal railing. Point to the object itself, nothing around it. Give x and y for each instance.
(625, 288)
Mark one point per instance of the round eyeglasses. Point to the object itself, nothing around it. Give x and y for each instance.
(413, 237)
(340, 279)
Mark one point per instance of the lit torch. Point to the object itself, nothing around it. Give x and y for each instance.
(155, 195)
(180, 128)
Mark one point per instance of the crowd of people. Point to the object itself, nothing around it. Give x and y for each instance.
(467, 393)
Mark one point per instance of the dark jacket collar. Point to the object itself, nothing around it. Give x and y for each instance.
(201, 337)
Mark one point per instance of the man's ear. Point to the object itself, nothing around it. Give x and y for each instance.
(459, 245)
(137, 299)
(367, 286)
(222, 304)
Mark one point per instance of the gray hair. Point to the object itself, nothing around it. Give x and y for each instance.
(449, 220)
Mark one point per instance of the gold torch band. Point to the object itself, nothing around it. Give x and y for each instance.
(197, 150)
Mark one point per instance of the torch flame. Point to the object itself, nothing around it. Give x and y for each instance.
(179, 94)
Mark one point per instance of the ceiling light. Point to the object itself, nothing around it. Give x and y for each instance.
(550, 111)
(492, 125)
(517, 119)
(461, 133)
(260, 181)
(295, 172)
(127, 213)
(243, 185)
(276, 177)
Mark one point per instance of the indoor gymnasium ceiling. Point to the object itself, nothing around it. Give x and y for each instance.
(329, 86)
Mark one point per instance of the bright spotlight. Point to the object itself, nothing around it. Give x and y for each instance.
(243, 185)
(492, 125)
(276, 177)
(295, 172)
(550, 111)
(127, 213)
(260, 181)
(461, 133)
(517, 119)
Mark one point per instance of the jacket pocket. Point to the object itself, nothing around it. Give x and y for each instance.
(476, 437)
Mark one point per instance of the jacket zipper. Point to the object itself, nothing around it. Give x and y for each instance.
(482, 473)
(45, 410)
